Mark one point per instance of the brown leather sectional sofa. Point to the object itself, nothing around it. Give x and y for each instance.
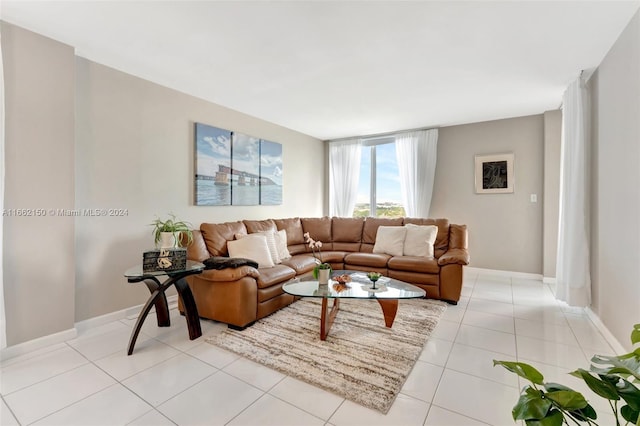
(239, 296)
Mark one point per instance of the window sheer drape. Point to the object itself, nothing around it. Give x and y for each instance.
(3, 322)
(417, 154)
(344, 171)
(573, 280)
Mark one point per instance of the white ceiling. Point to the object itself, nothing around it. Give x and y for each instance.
(334, 69)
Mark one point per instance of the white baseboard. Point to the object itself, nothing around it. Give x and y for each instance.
(615, 344)
(524, 275)
(549, 280)
(39, 343)
(79, 327)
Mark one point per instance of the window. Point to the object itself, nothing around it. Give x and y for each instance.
(379, 185)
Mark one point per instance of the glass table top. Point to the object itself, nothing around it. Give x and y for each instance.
(137, 271)
(358, 288)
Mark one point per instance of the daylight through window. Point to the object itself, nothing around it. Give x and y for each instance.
(379, 184)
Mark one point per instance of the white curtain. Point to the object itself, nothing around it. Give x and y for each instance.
(344, 171)
(3, 322)
(417, 153)
(573, 280)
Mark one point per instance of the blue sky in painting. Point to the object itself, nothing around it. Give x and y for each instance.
(271, 161)
(213, 146)
(246, 153)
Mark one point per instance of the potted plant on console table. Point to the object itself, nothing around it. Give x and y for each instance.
(166, 233)
(322, 271)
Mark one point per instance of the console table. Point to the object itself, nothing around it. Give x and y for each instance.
(159, 299)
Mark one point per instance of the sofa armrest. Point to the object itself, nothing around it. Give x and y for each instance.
(229, 274)
(457, 256)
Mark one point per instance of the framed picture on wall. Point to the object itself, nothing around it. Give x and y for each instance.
(213, 166)
(270, 173)
(494, 173)
(245, 169)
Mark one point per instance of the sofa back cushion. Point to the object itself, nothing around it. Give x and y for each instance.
(442, 239)
(370, 230)
(216, 236)
(319, 228)
(458, 236)
(293, 228)
(346, 233)
(260, 225)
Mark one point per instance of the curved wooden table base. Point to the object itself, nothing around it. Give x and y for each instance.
(389, 310)
(159, 300)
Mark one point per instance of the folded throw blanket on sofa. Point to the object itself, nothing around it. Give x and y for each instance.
(221, 262)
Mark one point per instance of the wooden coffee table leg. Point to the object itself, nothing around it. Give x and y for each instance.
(327, 317)
(389, 309)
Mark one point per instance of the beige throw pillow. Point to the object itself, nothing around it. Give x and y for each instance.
(390, 240)
(271, 243)
(281, 243)
(252, 247)
(419, 240)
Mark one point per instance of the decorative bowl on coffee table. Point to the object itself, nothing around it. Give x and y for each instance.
(374, 276)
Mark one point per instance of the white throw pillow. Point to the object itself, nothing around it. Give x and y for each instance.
(419, 240)
(252, 247)
(271, 243)
(390, 240)
(281, 243)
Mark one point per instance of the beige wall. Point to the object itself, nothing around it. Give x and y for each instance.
(133, 149)
(615, 263)
(39, 258)
(551, 197)
(505, 230)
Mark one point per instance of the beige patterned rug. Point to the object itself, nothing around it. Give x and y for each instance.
(361, 360)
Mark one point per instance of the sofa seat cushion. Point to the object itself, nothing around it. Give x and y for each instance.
(334, 256)
(417, 278)
(267, 293)
(425, 265)
(274, 275)
(374, 260)
(300, 263)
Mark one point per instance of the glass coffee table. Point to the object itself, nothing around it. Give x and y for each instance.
(387, 292)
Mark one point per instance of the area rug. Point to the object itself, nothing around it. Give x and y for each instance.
(361, 360)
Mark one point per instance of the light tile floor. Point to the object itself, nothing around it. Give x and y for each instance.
(171, 380)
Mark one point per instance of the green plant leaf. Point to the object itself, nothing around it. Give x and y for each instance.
(552, 387)
(554, 418)
(585, 413)
(600, 387)
(635, 334)
(523, 370)
(626, 390)
(568, 400)
(625, 365)
(531, 405)
(629, 414)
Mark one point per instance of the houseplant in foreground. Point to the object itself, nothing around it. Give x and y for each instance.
(614, 378)
(166, 233)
